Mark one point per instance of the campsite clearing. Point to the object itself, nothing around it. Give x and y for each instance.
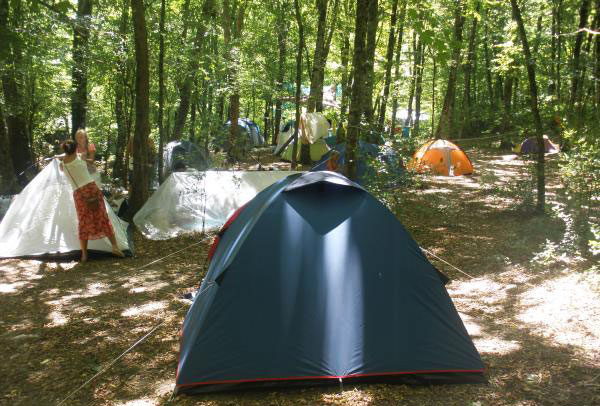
(531, 308)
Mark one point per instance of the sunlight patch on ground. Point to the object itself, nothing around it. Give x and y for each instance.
(153, 287)
(57, 318)
(139, 402)
(354, 397)
(567, 311)
(144, 309)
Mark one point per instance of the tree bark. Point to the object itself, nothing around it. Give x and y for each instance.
(119, 168)
(396, 91)
(12, 79)
(346, 73)
(359, 87)
(389, 59)
(298, 80)
(233, 20)
(8, 181)
(81, 34)
(413, 81)
(161, 88)
(281, 42)
(533, 90)
(445, 126)
(139, 186)
(316, 86)
(371, 45)
(584, 12)
(597, 69)
(185, 91)
(467, 69)
(419, 90)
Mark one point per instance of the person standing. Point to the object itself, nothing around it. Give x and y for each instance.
(87, 151)
(93, 222)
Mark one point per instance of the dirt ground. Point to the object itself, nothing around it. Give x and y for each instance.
(527, 297)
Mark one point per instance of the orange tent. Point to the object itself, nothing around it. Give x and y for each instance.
(442, 158)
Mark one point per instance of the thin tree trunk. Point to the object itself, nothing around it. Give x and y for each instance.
(445, 126)
(119, 168)
(372, 23)
(419, 90)
(161, 89)
(266, 117)
(413, 81)
(8, 181)
(433, 97)
(81, 35)
(298, 80)
(507, 99)
(533, 90)
(467, 68)
(281, 42)
(389, 59)
(597, 70)
(584, 12)
(139, 187)
(185, 91)
(346, 74)
(12, 79)
(488, 70)
(361, 72)
(396, 91)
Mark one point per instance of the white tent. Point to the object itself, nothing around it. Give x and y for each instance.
(196, 201)
(42, 219)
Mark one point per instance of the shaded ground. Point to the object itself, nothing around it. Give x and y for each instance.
(531, 307)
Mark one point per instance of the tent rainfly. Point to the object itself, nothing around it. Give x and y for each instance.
(42, 220)
(314, 128)
(327, 302)
(189, 202)
(441, 157)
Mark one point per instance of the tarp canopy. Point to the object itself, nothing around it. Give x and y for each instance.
(342, 293)
(189, 202)
(183, 152)
(441, 157)
(42, 220)
(314, 128)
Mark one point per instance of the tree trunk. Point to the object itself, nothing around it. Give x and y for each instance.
(8, 181)
(139, 186)
(298, 80)
(316, 86)
(433, 96)
(81, 35)
(419, 90)
(413, 81)
(584, 12)
(467, 68)
(488, 71)
(396, 91)
(372, 23)
(161, 89)
(389, 59)
(185, 91)
(119, 169)
(507, 98)
(346, 73)
(281, 42)
(266, 117)
(445, 126)
(361, 72)
(533, 90)
(12, 79)
(597, 70)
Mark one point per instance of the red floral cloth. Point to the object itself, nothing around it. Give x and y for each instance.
(93, 224)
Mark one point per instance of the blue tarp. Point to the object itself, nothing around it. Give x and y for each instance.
(342, 293)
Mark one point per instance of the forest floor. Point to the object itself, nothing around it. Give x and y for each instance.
(530, 302)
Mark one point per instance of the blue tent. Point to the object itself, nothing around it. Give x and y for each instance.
(328, 302)
(248, 129)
